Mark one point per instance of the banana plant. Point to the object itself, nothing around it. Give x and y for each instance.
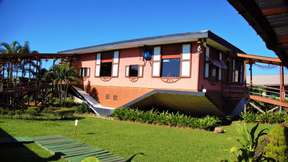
(249, 143)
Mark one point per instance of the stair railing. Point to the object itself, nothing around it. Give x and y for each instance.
(85, 101)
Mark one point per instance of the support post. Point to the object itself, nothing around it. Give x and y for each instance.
(282, 87)
(244, 74)
(250, 69)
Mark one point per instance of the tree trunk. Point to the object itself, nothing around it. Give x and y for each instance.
(10, 71)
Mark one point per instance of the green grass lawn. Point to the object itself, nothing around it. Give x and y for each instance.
(159, 143)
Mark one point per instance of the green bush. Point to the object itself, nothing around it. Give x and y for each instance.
(32, 111)
(286, 119)
(36, 114)
(248, 117)
(166, 118)
(82, 108)
(277, 147)
(56, 102)
(277, 117)
(248, 146)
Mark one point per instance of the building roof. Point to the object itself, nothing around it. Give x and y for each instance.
(269, 18)
(267, 80)
(156, 40)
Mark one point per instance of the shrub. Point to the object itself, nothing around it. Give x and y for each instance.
(286, 119)
(278, 117)
(64, 112)
(277, 147)
(37, 114)
(31, 111)
(3, 111)
(208, 122)
(248, 117)
(249, 144)
(82, 108)
(166, 118)
(56, 102)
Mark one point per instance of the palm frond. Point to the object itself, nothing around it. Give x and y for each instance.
(252, 132)
(25, 49)
(6, 48)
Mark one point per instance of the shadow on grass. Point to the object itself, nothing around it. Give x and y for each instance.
(13, 151)
(90, 133)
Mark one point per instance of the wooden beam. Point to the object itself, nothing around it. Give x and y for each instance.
(262, 59)
(282, 86)
(269, 101)
(283, 39)
(256, 107)
(275, 108)
(250, 69)
(274, 11)
(250, 10)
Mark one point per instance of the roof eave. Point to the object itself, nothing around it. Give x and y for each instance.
(253, 15)
(154, 41)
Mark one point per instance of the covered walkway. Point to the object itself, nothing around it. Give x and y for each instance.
(266, 94)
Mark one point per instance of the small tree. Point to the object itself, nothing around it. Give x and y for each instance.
(249, 143)
(63, 75)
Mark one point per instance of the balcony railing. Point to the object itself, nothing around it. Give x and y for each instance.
(266, 91)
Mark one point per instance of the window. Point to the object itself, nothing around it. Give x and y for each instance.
(115, 97)
(238, 71)
(133, 70)
(212, 65)
(106, 63)
(207, 63)
(84, 72)
(106, 69)
(107, 96)
(227, 70)
(170, 67)
(214, 72)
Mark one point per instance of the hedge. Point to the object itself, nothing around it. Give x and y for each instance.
(272, 118)
(166, 118)
(37, 114)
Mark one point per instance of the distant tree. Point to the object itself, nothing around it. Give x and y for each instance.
(14, 51)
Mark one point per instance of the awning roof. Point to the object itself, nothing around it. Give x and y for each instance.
(270, 20)
(257, 58)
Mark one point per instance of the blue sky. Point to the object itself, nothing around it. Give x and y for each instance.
(55, 25)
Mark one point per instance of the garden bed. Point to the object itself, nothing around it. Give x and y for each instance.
(167, 118)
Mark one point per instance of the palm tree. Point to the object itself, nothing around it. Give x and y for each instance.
(13, 60)
(11, 50)
(16, 49)
(63, 76)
